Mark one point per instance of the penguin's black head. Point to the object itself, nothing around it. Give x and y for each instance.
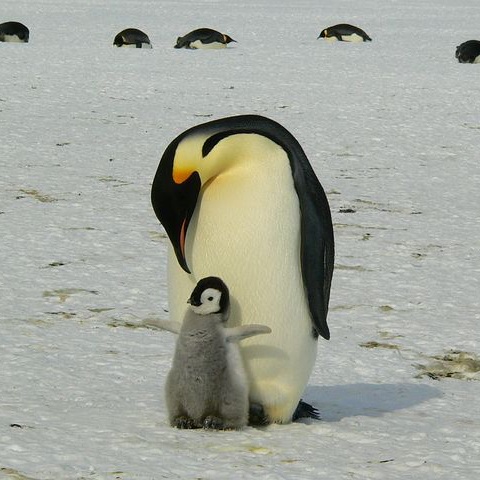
(196, 157)
(118, 40)
(323, 34)
(210, 295)
(174, 201)
(228, 39)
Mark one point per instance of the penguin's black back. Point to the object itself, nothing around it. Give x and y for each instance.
(347, 29)
(131, 36)
(204, 35)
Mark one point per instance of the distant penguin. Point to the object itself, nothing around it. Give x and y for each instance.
(207, 385)
(14, 32)
(468, 52)
(132, 37)
(203, 38)
(238, 196)
(344, 32)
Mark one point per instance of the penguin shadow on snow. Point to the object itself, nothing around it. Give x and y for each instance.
(366, 399)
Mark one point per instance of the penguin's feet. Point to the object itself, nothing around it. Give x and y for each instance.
(257, 416)
(214, 423)
(305, 410)
(184, 422)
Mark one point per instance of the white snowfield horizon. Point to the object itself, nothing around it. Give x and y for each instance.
(392, 129)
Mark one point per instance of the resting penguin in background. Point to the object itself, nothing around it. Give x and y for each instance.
(14, 32)
(344, 33)
(207, 385)
(132, 37)
(468, 52)
(203, 38)
(238, 197)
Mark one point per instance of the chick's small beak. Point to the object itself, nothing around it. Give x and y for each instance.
(193, 302)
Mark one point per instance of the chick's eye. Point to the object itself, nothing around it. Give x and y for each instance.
(210, 299)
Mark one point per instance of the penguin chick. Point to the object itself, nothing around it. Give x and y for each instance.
(207, 385)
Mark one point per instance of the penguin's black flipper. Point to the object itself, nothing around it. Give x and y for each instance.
(305, 410)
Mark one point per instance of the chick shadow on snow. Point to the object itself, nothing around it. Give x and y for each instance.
(364, 399)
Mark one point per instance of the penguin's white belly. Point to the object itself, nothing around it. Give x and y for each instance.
(477, 59)
(331, 39)
(353, 37)
(207, 46)
(246, 230)
(12, 39)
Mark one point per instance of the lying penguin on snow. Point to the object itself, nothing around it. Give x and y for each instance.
(204, 38)
(468, 52)
(133, 38)
(207, 385)
(15, 32)
(344, 32)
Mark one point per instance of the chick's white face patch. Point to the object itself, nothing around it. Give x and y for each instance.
(210, 302)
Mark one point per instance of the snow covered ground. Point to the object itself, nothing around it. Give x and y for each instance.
(392, 128)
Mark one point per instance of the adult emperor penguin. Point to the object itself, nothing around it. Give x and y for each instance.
(14, 32)
(207, 385)
(344, 32)
(468, 52)
(204, 38)
(238, 198)
(132, 37)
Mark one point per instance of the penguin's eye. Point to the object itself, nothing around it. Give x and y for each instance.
(210, 299)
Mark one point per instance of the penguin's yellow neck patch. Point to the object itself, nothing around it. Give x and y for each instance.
(188, 158)
(239, 152)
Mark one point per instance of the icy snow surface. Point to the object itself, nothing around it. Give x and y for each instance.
(392, 128)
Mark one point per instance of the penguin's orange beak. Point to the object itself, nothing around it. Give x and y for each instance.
(179, 175)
